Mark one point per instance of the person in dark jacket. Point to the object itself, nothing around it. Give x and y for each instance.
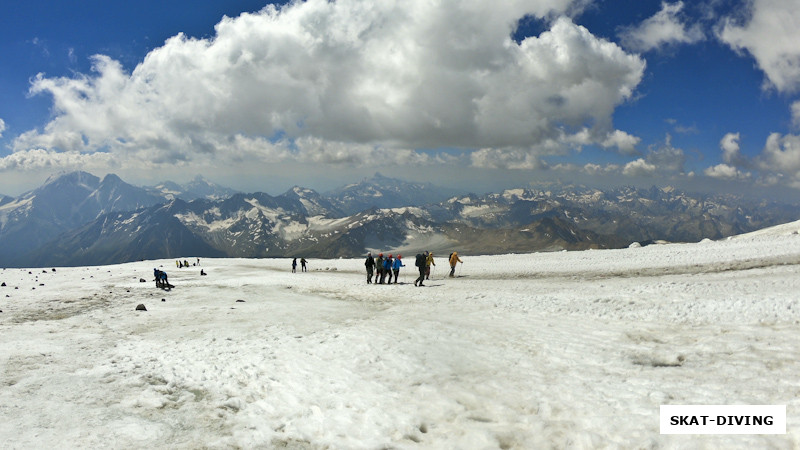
(369, 264)
(379, 268)
(161, 279)
(420, 263)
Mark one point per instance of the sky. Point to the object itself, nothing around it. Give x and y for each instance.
(471, 94)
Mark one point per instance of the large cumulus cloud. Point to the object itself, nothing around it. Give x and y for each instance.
(331, 82)
(770, 32)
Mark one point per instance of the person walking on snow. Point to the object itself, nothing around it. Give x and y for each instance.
(379, 269)
(369, 264)
(294, 265)
(387, 269)
(454, 259)
(303, 265)
(420, 263)
(428, 263)
(396, 265)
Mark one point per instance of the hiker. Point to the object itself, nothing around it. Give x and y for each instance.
(203, 272)
(454, 259)
(396, 265)
(178, 264)
(161, 279)
(387, 269)
(420, 263)
(294, 265)
(428, 262)
(303, 265)
(185, 263)
(369, 264)
(379, 269)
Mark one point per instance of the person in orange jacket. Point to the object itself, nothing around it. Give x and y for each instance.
(454, 259)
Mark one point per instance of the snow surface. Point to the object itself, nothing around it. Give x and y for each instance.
(549, 350)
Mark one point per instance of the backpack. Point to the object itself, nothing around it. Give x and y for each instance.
(420, 262)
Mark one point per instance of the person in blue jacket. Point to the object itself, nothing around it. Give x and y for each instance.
(396, 265)
(387, 269)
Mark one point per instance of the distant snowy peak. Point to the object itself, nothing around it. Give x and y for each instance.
(78, 178)
(313, 203)
(202, 188)
(384, 192)
(198, 188)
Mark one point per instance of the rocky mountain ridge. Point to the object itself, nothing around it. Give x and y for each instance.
(77, 219)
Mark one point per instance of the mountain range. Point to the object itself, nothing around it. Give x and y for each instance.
(78, 219)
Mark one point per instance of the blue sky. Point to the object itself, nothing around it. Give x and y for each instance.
(700, 95)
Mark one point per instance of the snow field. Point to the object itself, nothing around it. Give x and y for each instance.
(549, 350)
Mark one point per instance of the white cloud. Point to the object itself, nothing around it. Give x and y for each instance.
(781, 155)
(489, 158)
(337, 80)
(663, 160)
(639, 168)
(664, 28)
(667, 158)
(40, 159)
(796, 114)
(731, 153)
(623, 141)
(726, 172)
(2, 127)
(597, 169)
(770, 34)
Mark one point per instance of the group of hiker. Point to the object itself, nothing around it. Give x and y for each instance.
(181, 264)
(383, 267)
(303, 263)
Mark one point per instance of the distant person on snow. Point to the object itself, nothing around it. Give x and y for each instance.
(161, 279)
(420, 263)
(387, 269)
(303, 264)
(428, 263)
(454, 259)
(294, 265)
(369, 264)
(379, 268)
(396, 265)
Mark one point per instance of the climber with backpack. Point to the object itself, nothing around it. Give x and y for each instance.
(420, 263)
